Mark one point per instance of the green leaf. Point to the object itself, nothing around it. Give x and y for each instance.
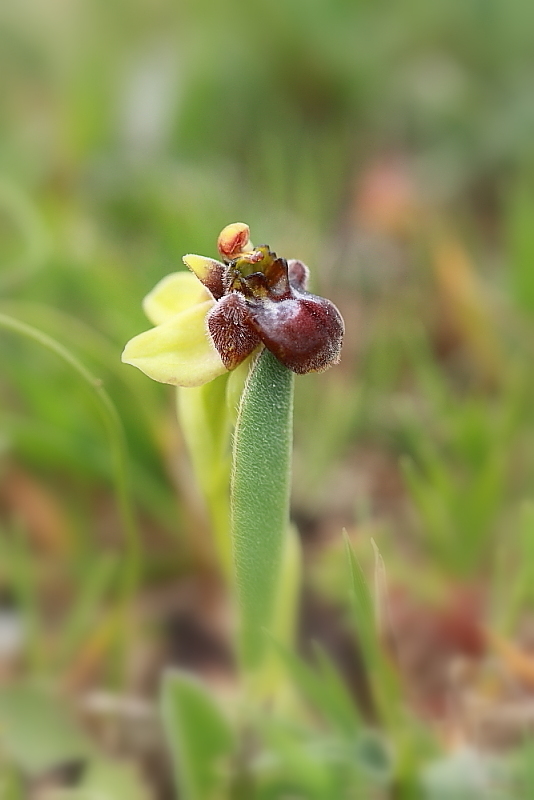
(199, 737)
(300, 763)
(107, 780)
(293, 767)
(36, 732)
(260, 498)
(375, 756)
(312, 686)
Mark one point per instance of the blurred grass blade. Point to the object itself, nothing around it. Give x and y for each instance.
(381, 602)
(198, 735)
(100, 641)
(96, 584)
(382, 678)
(31, 226)
(115, 434)
(318, 688)
(260, 498)
(434, 511)
(362, 603)
(339, 698)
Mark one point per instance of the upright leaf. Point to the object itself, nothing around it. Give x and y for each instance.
(199, 737)
(36, 731)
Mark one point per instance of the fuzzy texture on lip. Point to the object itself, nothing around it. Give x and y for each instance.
(229, 324)
(210, 320)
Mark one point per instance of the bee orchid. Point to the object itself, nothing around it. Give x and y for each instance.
(208, 321)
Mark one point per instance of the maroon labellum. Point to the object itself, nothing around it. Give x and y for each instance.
(304, 332)
(263, 300)
(231, 331)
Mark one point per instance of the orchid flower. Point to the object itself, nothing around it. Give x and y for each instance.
(208, 321)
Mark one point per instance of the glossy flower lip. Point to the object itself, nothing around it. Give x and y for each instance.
(208, 321)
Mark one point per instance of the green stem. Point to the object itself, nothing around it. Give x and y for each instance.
(115, 434)
(260, 500)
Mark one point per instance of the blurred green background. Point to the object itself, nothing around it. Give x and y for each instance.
(391, 148)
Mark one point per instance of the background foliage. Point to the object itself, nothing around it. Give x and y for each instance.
(389, 146)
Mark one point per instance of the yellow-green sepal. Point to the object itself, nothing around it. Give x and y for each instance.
(179, 351)
(173, 294)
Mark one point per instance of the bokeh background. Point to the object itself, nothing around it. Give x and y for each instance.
(390, 147)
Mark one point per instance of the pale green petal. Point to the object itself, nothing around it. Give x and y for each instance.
(179, 351)
(173, 294)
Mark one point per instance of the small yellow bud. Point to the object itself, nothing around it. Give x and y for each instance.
(234, 240)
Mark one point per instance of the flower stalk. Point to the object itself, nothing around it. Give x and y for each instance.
(260, 500)
(248, 319)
